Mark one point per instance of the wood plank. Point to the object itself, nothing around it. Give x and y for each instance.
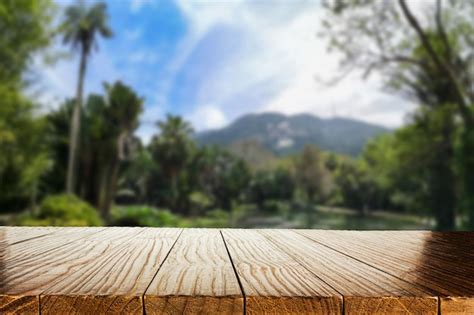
(197, 277)
(438, 261)
(366, 290)
(457, 305)
(33, 246)
(18, 234)
(22, 276)
(28, 268)
(114, 275)
(108, 270)
(275, 283)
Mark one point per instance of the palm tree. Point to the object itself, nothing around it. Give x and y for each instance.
(81, 26)
(172, 150)
(123, 109)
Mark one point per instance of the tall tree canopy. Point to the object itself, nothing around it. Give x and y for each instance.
(172, 149)
(429, 58)
(81, 26)
(25, 30)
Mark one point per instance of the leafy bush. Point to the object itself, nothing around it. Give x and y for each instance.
(143, 216)
(216, 218)
(63, 210)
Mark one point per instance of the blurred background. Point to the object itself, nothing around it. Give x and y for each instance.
(341, 114)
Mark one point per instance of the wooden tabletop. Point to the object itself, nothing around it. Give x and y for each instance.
(231, 271)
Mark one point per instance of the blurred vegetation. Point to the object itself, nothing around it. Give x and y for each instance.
(419, 176)
(62, 210)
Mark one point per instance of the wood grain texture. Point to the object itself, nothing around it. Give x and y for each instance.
(169, 271)
(366, 289)
(197, 277)
(115, 275)
(273, 282)
(29, 264)
(19, 304)
(14, 235)
(440, 262)
(457, 305)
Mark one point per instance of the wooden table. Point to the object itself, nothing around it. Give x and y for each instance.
(174, 271)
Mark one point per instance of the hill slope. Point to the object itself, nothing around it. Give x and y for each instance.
(282, 134)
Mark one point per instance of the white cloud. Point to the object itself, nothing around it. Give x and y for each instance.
(207, 117)
(287, 48)
(133, 34)
(144, 57)
(137, 5)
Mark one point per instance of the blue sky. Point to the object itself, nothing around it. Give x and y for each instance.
(212, 61)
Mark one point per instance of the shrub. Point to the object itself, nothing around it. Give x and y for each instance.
(143, 216)
(63, 210)
(216, 218)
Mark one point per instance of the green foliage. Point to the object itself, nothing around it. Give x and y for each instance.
(277, 184)
(465, 158)
(82, 25)
(24, 156)
(107, 143)
(199, 203)
(63, 210)
(142, 216)
(25, 26)
(213, 219)
(222, 176)
(172, 149)
(310, 174)
(432, 63)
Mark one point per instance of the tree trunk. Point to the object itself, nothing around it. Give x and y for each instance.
(442, 181)
(111, 185)
(174, 190)
(110, 190)
(467, 174)
(443, 66)
(75, 128)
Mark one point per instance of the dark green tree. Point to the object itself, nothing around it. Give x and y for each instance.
(431, 62)
(25, 31)
(276, 184)
(222, 176)
(310, 173)
(107, 142)
(172, 150)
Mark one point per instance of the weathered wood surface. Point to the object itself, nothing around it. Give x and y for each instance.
(273, 282)
(175, 271)
(196, 277)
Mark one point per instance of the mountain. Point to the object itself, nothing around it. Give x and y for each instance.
(282, 134)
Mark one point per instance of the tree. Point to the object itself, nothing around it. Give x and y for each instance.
(81, 26)
(354, 185)
(119, 120)
(172, 150)
(137, 174)
(24, 156)
(26, 30)
(222, 176)
(310, 173)
(275, 184)
(106, 138)
(431, 62)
